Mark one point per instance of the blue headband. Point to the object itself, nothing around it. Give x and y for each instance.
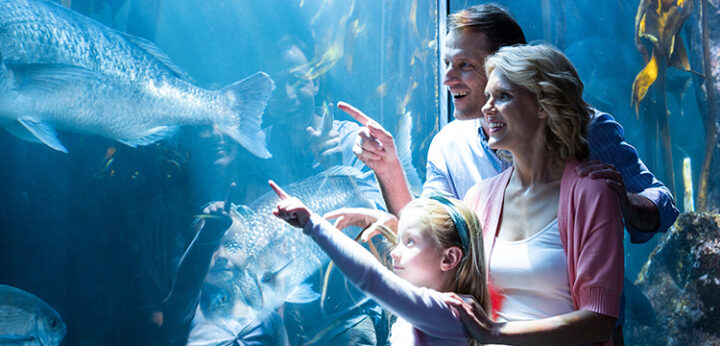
(456, 217)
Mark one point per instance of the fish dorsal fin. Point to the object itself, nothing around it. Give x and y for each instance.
(302, 294)
(156, 53)
(151, 136)
(44, 132)
(50, 77)
(403, 143)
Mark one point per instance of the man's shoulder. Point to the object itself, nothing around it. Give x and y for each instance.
(457, 130)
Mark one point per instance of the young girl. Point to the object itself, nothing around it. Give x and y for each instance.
(440, 250)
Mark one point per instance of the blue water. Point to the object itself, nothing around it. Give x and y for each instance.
(97, 233)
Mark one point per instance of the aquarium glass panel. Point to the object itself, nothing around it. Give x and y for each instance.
(124, 119)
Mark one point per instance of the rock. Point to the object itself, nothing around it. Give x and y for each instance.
(682, 281)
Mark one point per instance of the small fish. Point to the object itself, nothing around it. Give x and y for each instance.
(27, 320)
(61, 70)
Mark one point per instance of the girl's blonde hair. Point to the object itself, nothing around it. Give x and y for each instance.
(471, 275)
(551, 77)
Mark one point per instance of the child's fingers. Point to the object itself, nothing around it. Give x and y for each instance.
(278, 190)
(228, 195)
(369, 233)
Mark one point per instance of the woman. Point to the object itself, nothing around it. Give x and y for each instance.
(553, 240)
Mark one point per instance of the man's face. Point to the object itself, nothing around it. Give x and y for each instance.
(293, 101)
(464, 55)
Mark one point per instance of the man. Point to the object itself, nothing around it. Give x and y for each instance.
(301, 134)
(459, 156)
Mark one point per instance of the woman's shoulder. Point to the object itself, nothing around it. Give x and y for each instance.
(583, 187)
(487, 188)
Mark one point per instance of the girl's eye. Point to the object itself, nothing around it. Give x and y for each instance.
(409, 242)
(503, 96)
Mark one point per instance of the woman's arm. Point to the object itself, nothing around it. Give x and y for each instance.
(577, 327)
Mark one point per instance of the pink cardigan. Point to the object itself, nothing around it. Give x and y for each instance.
(591, 231)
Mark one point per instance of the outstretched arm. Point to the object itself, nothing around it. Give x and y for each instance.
(179, 306)
(376, 148)
(423, 308)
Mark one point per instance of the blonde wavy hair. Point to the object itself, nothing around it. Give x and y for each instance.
(551, 77)
(471, 275)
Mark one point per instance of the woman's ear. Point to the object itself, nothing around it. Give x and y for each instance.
(451, 258)
(542, 114)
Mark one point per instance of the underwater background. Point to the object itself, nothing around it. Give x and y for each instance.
(97, 232)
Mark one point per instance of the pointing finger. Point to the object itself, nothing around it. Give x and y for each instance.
(278, 190)
(357, 114)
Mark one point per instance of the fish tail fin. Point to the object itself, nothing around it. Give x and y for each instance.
(249, 98)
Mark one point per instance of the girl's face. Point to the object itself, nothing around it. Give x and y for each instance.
(416, 258)
(512, 113)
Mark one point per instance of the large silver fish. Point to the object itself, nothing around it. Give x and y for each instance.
(62, 70)
(271, 259)
(27, 320)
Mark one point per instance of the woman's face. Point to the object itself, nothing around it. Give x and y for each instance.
(416, 258)
(512, 113)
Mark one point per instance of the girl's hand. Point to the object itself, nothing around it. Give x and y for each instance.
(367, 219)
(290, 208)
(473, 316)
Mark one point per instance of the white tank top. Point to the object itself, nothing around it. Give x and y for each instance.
(532, 275)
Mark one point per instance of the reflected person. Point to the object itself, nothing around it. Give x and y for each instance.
(205, 269)
(301, 134)
(317, 141)
(304, 140)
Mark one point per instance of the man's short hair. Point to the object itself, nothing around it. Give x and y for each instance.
(493, 20)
